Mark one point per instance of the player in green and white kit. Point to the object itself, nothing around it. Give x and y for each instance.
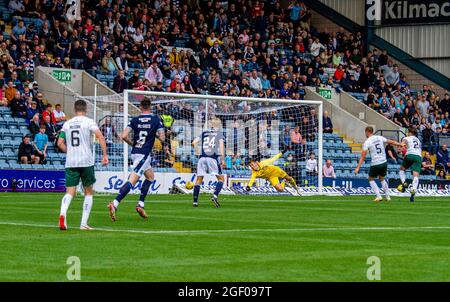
(413, 160)
(378, 167)
(76, 140)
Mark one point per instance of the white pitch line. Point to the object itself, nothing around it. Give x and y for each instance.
(193, 232)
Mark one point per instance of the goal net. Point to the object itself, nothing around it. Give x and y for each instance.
(253, 128)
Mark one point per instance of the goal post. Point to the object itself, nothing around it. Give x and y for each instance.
(254, 128)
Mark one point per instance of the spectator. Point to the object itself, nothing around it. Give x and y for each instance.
(327, 124)
(109, 66)
(427, 165)
(49, 112)
(311, 165)
(40, 145)
(26, 154)
(50, 129)
(441, 175)
(443, 158)
(122, 62)
(17, 7)
(238, 163)
(154, 74)
(167, 157)
(328, 169)
(392, 156)
(18, 106)
(285, 138)
(291, 168)
(60, 116)
(109, 132)
(120, 82)
(34, 125)
(32, 111)
(296, 140)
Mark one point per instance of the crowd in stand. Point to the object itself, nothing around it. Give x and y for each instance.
(235, 48)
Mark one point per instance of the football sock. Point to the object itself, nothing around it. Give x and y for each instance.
(415, 182)
(65, 203)
(122, 193)
(196, 193)
(385, 187)
(402, 175)
(144, 190)
(88, 200)
(219, 186)
(375, 189)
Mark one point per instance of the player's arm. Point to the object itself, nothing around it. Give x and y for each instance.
(394, 143)
(222, 153)
(124, 136)
(270, 161)
(361, 161)
(61, 143)
(250, 182)
(102, 142)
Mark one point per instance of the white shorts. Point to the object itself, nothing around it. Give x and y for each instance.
(207, 165)
(141, 163)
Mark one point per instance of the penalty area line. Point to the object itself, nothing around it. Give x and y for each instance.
(257, 230)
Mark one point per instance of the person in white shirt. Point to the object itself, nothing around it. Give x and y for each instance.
(76, 140)
(374, 145)
(60, 116)
(311, 165)
(413, 160)
(154, 74)
(316, 47)
(328, 169)
(255, 81)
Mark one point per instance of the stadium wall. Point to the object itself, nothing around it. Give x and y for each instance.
(365, 113)
(352, 9)
(344, 121)
(428, 43)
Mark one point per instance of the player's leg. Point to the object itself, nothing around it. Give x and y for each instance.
(275, 182)
(416, 168)
(374, 171)
(202, 170)
(72, 179)
(139, 161)
(405, 165)
(215, 168)
(382, 172)
(88, 180)
(198, 182)
(385, 187)
(149, 177)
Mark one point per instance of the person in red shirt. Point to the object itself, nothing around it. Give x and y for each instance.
(339, 73)
(49, 111)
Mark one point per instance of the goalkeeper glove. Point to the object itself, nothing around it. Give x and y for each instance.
(247, 188)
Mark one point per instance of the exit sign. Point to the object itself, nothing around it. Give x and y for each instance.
(62, 75)
(326, 93)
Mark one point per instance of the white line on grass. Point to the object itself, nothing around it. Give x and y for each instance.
(259, 230)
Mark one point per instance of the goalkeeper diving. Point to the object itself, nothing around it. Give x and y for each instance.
(266, 170)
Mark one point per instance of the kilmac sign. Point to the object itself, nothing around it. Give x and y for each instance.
(390, 12)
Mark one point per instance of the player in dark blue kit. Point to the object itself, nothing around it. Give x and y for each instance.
(211, 160)
(146, 127)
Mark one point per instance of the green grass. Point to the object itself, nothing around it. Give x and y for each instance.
(248, 239)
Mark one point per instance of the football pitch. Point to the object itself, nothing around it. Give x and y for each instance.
(248, 239)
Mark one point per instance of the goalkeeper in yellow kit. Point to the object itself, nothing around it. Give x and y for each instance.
(264, 169)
